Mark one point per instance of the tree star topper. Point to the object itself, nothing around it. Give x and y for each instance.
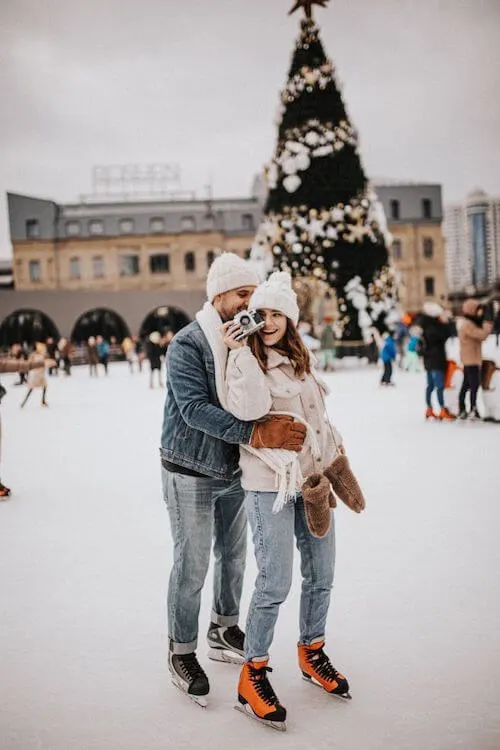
(307, 5)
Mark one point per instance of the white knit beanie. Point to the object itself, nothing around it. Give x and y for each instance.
(276, 294)
(227, 272)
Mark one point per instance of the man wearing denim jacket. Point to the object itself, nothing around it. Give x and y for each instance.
(202, 488)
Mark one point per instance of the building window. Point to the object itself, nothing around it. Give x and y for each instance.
(248, 222)
(209, 221)
(96, 227)
(129, 265)
(426, 208)
(429, 286)
(394, 209)
(188, 224)
(73, 228)
(32, 229)
(189, 262)
(210, 258)
(157, 225)
(478, 235)
(159, 263)
(98, 266)
(35, 270)
(397, 249)
(126, 226)
(428, 247)
(74, 268)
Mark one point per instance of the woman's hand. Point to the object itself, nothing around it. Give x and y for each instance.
(229, 331)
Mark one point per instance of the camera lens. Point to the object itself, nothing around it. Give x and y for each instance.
(244, 320)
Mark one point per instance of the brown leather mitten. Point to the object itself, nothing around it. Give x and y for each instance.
(344, 483)
(279, 432)
(316, 494)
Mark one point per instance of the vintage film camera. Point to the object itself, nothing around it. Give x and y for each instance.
(249, 321)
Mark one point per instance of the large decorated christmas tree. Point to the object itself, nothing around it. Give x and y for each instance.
(322, 220)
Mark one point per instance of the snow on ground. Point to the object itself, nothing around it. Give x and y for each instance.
(85, 551)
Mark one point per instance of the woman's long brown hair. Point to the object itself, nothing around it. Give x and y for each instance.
(291, 346)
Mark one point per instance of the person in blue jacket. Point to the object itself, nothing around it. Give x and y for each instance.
(103, 352)
(388, 354)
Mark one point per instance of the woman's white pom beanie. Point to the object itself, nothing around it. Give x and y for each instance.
(276, 294)
(227, 272)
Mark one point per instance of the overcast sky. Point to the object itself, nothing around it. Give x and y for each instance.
(196, 82)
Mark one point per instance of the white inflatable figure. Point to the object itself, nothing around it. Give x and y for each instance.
(356, 293)
(490, 392)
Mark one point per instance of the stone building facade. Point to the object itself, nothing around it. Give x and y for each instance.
(415, 215)
(131, 257)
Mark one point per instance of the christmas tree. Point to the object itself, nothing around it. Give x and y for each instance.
(322, 220)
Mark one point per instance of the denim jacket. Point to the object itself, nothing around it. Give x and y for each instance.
(198, 433)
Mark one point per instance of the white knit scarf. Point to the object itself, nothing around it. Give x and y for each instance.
(284, 463)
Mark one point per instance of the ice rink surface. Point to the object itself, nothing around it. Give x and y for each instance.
(85, 551)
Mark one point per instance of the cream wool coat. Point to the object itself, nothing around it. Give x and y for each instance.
(252, 394)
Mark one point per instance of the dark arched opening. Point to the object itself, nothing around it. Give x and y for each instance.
(163, 319)
(100, 322)
(27, 326)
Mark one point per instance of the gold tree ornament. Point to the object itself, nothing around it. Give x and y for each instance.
(308, 5)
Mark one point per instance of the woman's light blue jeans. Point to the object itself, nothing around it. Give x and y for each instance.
(273, 535)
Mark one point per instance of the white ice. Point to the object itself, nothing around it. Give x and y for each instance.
(85, 552)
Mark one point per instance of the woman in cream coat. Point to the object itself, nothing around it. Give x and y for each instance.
(273, 373)
(37, 378)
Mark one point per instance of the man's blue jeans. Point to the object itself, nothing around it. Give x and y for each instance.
(435, 379)
(202, 509)
(273, 536)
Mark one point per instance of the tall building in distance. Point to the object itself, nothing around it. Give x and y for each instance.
(472, 232)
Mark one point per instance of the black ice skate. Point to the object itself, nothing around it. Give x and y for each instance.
(226, 644)
(188, 676)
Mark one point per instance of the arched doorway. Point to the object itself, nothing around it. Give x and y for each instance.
(27, 325)
(100, 322)
(163, 319)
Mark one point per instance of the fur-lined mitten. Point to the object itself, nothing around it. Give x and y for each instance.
(316, 493)
(344, 483)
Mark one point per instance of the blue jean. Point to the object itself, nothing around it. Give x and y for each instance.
(435, 380)
(326, 358)
(202, 509)
(273, 543)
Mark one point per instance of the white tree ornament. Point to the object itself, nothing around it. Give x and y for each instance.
(292, 183)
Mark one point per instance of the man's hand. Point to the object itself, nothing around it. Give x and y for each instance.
(279, 432)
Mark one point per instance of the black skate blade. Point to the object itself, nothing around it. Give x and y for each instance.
(342, 696)
(279, 726)
(199, 700)
(225, 655)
